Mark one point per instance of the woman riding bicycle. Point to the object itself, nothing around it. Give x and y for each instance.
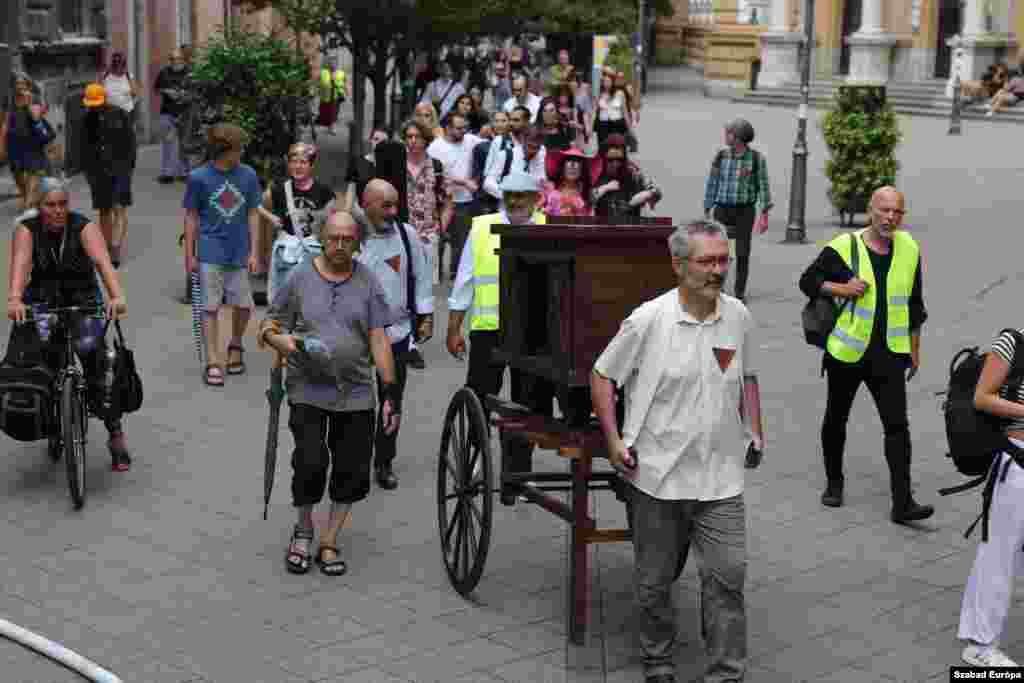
(55, 259)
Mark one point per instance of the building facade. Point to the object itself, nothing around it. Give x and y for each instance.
(870, 41)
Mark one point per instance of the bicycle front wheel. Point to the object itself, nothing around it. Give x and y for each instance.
(72, 429)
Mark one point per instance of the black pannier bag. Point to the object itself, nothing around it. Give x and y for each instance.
(26, 387)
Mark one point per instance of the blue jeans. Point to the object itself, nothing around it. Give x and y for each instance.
(171, 163)
(662, 533)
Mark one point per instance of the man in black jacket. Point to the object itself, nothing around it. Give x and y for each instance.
(110, 154)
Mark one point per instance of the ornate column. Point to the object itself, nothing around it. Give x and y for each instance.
(982, 46)
(780, 49)
(870, 48)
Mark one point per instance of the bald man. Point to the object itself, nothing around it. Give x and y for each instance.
(393, 252)
(877, 341)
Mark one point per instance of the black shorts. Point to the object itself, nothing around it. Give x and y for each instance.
(109, 191)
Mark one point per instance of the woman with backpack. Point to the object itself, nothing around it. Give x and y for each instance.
(55, 259)
(989, 590)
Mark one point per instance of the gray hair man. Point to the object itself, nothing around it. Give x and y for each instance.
(684, 362)
(328, 320)
(392, 251)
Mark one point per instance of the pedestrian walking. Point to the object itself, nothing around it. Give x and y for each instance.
(522, 97)
(737, 194)
(443, 92)
(560, 75)
(110, 154)
(622, 189)
(526, 154)
(455, 152)
(685, 363)
(989, 591)
(333, 89)
(121, 88)
(430, 205)
(877, 341)
(392, 252)
(222, 240)
(364, 169)
(475, 293)
(28, 134)
(295, 209)
(170, 85)
(327, 320)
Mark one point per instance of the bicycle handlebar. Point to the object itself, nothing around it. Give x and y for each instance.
(94, 311)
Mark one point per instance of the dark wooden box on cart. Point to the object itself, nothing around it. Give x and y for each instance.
(565, 289)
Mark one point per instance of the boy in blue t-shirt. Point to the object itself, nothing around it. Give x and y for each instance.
(222, 231)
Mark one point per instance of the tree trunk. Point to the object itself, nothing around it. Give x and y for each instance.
(380, 83)
(359, 75)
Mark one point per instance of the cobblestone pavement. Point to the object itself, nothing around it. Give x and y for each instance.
(169, 574)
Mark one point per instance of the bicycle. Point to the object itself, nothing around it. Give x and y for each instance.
(71, 410)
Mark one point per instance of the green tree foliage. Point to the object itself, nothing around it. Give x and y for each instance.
(862, 134)
(254, 79)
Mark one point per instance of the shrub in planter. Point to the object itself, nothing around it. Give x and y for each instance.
(257, 82)
(862, 133)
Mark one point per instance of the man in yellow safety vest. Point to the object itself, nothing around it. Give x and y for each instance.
(877, 340)
(476, 291)
(333, 90)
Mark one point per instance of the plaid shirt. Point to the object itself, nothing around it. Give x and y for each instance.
(733, 182)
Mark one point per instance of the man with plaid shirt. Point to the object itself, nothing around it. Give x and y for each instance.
(737, 194)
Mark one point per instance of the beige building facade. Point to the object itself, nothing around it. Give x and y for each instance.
(869, 41)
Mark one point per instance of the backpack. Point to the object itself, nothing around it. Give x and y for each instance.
(975, 437)
(26, 387)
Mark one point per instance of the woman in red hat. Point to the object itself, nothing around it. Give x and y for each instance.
(568, 192)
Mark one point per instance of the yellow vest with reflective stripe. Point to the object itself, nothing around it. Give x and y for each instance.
(329, 91)
(852, 333)
(483, 316)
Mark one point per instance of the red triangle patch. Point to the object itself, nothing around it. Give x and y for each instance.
(724, 357)
(395, 262)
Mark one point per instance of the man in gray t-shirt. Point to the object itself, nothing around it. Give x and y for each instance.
(328, 319)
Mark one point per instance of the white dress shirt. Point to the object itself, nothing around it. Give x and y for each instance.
(532, 103)
(683, 380)
(457, 160)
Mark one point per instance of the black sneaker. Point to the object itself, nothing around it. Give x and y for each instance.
(386, 478)
(833, 496)
(912, 512)
(414, 359)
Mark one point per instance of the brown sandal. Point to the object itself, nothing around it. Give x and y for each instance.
(236, 368)
(212, 378)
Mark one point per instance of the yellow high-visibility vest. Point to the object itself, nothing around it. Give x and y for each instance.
(332, 90)
(483, 316)
(852, 333)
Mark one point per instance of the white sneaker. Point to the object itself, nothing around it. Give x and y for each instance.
(986, 656)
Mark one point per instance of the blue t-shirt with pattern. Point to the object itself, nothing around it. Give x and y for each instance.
(223, 201)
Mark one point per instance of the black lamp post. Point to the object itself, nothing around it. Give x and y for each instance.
(796, 227)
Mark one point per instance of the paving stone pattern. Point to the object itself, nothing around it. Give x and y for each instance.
(169, 574)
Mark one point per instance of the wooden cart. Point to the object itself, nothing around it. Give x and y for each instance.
(565, 289)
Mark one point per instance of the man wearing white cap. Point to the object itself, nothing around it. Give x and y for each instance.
(476, 290)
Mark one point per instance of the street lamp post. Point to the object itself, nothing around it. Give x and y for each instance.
(796, 228)
(638, 64)
(957, 66)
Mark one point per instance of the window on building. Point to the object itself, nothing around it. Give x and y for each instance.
(72, 13)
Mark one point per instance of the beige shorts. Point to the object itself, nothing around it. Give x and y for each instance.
(224, 285)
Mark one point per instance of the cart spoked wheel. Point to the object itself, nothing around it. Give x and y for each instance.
(465, 491)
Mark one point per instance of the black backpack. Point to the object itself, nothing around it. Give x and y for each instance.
(26, 387)
(975, 437)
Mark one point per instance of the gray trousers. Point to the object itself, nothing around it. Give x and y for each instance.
(662, 533)
(171, 163)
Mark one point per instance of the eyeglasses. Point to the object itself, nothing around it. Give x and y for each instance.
(711, 261)
(340, 239)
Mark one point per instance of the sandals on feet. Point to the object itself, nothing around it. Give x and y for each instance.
(298, 558)
(214, 376)
(335, 567)
(237, 367)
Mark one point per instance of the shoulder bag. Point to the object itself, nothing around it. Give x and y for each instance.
(126, 392)
(821, 313)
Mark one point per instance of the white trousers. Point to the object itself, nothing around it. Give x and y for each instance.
(989, 589)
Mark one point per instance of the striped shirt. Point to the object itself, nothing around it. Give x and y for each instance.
(1004, 346)
(738, 180)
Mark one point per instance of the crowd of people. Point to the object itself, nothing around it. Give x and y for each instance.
(351, 298)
